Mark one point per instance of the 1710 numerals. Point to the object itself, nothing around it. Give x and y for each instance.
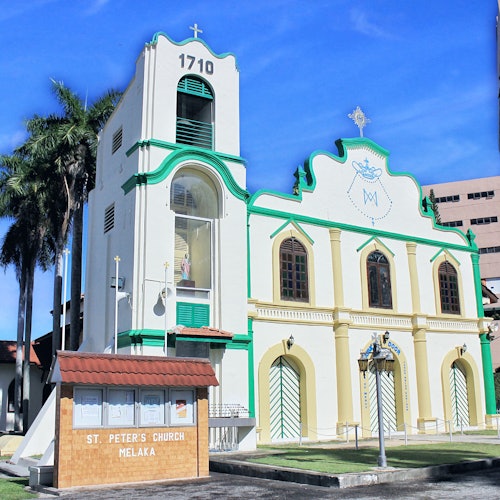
(190, 61)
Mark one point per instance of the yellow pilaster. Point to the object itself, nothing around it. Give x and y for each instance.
(411, 251)
(338, 286)
(425, 420)
(341, 327)
(343, 370)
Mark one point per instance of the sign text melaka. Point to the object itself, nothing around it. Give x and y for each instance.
(138, 440)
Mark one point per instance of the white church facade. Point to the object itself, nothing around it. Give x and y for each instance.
(281, 291)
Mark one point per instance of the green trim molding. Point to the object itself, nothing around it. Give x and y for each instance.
(439, 252)
(373, 232)
(487, 362)
(157, 35)
(251, 373)
(296, 226)
(377, 242)
(156, 338)
(178, 154)
(249, 276)
(306, 181)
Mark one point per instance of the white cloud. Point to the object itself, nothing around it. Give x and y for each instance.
(11, 10)
(362, 24)
(95, 7)
(8, 142)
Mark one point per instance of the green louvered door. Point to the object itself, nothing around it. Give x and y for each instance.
(388, 401)
(459, 399)
(284, 380)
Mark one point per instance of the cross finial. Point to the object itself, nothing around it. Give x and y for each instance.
(359, 119)
(196, 30)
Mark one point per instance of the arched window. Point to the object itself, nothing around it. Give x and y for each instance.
(194, 112)
(195, 201)
(293, 271)
(448, 288)
(379, 280)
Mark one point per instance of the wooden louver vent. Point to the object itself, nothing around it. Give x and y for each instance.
(117, 140)
(109, 218)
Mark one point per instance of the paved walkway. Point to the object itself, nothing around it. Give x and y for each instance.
(236, 463)
(231, 469)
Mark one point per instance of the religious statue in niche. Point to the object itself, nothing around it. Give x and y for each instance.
(367, 192)
(185, 267)
(186, 280)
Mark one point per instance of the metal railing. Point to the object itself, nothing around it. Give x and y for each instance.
(194, 133)
(224, 421)
(232, 410)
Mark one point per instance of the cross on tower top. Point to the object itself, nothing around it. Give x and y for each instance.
(196, 30)
(360, 119)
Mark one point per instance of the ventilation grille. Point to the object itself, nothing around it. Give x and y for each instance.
(117, 140)
(109, 218)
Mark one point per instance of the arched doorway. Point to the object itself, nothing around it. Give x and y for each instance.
(395, 396)
(461, 389)
(458, 395)
(284, 385)
(301, 363)
(388, 401)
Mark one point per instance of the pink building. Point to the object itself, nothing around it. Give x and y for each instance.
(474, 204)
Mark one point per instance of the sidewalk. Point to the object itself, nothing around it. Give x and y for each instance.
(236, 463)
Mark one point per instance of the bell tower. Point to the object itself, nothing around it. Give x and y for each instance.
(190, 94)
(170, 191)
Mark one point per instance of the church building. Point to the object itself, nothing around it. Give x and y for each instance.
(280, 291)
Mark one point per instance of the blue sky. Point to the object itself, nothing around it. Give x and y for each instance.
(423, 72)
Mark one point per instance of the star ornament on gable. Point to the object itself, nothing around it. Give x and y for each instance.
(360, 119)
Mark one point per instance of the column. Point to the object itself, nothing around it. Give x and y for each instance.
(343, 372)
(411, 251)
(338, 286)
(425, 420)
(341, 327)
(489, 382)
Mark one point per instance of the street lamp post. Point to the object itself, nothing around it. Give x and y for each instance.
(383, 361)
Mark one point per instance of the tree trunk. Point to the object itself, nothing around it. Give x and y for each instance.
(30, 279)
(76, 278)
(19, 350)
(56, 306)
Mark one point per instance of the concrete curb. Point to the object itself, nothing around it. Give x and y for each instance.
(228, 465)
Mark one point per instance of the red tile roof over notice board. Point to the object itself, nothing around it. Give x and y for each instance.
(117, 369)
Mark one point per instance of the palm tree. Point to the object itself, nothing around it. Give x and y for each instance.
(23, 246)
(43, 149)
(434, 206)
(79, 140)
(70, 141)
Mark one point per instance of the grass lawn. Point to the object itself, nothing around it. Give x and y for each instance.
(13, 489)
(342, 460)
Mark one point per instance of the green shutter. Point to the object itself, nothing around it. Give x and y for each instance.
(193, 315)
(194, 86)
(284, 386)
(459, 396)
